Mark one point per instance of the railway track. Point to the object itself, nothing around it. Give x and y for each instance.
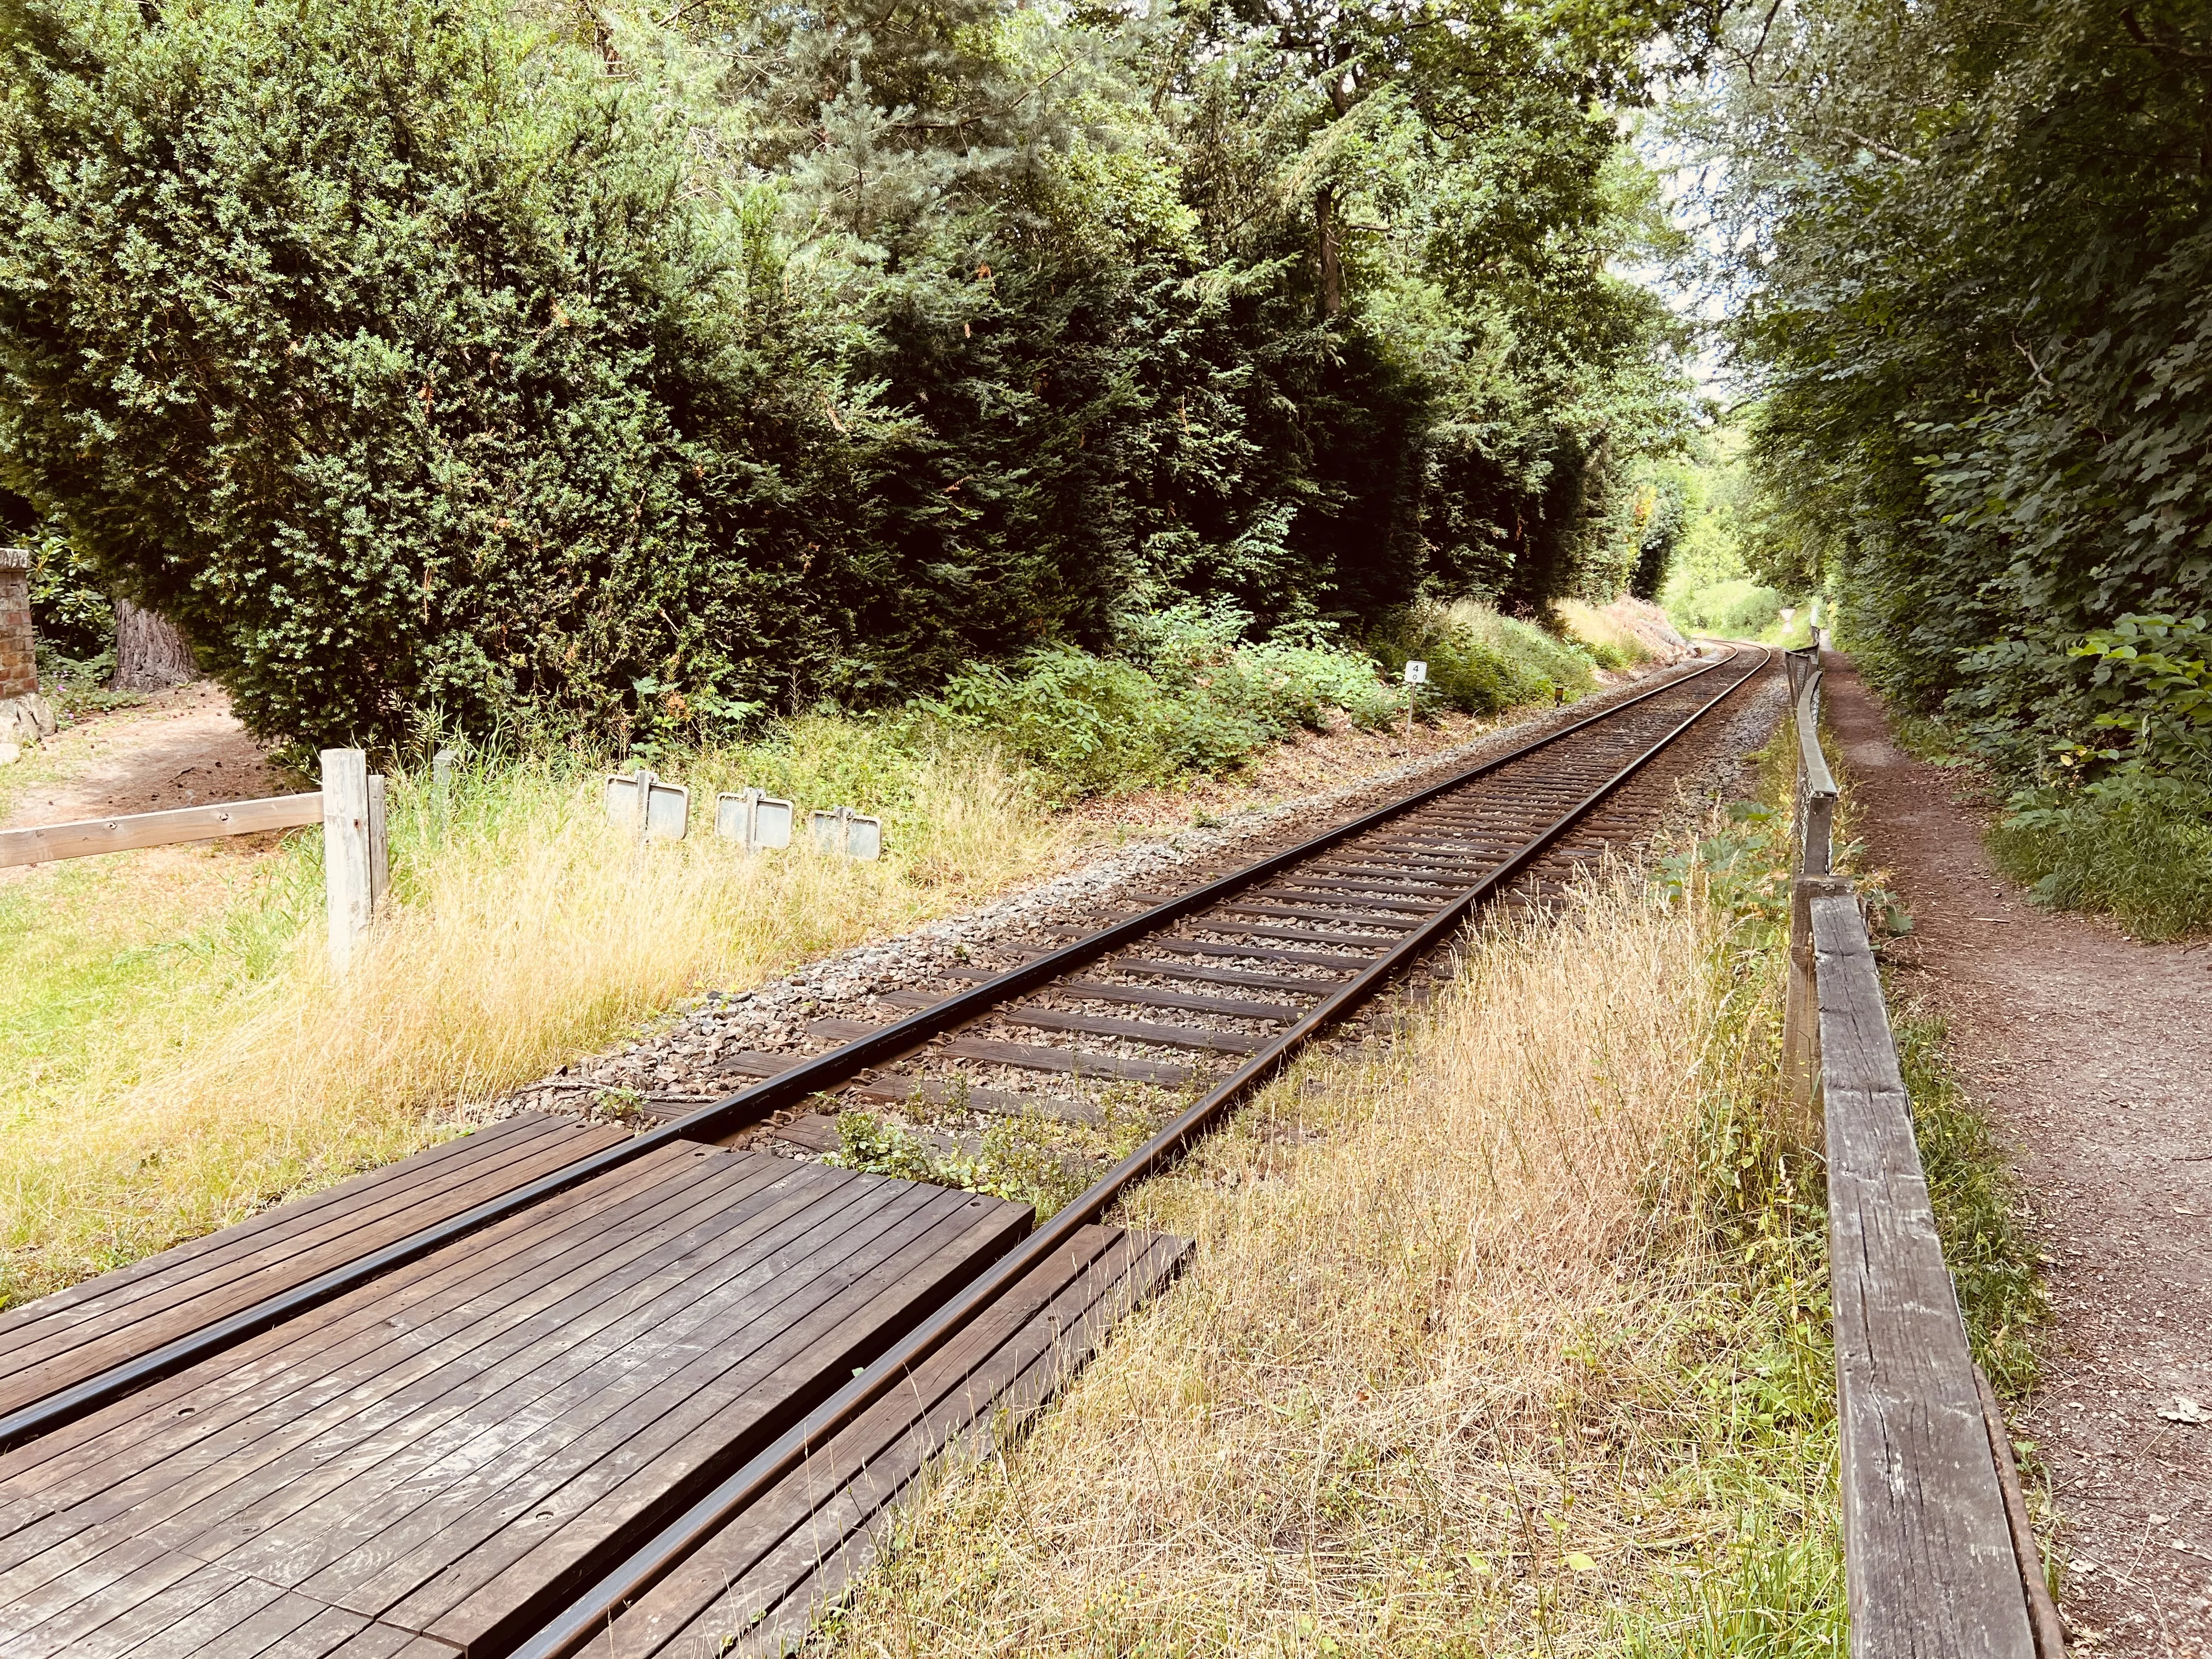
(568, 1386)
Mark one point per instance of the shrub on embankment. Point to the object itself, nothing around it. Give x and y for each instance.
(426, 361)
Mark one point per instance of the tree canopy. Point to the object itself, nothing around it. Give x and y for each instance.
(427, 360)
(1968, 247)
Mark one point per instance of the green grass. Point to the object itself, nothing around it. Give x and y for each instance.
(173, 1056)
(2136, 849)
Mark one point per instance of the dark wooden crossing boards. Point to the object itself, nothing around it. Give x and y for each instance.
(47, 1345)
(436, 1459)
(758, 1586)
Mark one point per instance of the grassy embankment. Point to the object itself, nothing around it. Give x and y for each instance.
(1512, 1339)
(172, 1055)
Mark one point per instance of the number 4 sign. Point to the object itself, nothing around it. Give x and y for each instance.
(1417, 673)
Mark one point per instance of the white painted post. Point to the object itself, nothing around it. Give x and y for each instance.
(380, 847)
(345, 851)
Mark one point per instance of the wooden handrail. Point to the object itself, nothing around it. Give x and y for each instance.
(1933, 1564)
(42, 843)
(1929, 1563)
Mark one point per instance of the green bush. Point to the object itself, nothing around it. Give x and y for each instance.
(451, 362)
(1478, 661)
(1738, 609)
(2138, 846)
(1196, 698)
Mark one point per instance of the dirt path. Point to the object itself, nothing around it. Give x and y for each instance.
(178, 748)
(2094, 1055)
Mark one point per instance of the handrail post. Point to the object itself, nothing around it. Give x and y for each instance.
(349, 886)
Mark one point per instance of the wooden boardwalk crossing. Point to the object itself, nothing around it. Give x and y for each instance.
(422, 1465)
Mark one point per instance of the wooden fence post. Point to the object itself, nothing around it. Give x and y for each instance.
(346, 862)
(1800, 1001)
(380, 847)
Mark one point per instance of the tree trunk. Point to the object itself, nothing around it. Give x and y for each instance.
(1332, 268)
(150, 654)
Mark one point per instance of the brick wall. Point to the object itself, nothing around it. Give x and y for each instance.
(19, 677)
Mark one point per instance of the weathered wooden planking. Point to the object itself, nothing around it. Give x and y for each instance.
(396, 1459)
(764, 1578)
(1271, 1013)
(1366, 951)
(85, 836)
(1221, 976)
(1229, 927)
(901, 1088)
(1361, 913)
(496, 1594)
(1930, 1566)
(1026, 1056)
(48, 1344)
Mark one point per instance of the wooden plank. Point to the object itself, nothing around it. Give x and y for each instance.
(814, 1132)
(376, 1436)
(1136, 1030)
(1356, 915)
(1365, 949)
(506, 1265)
(1297, 935)
(766, 1575)
(1276, 1014)
(494, 1594)
(84, 837)
(399, 1487)
(752, 1565)
(1403, 895)
(255, 1503)
(579, 1327)
(1028, 1057)
(901, 1088)
(169, 1296)
(1930, 1568)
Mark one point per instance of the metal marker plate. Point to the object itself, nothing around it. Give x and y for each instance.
(853, 834)
(756, 819)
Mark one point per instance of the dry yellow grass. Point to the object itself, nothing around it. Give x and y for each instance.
(1609, 635)
(182, 1058)
(1498, 1343)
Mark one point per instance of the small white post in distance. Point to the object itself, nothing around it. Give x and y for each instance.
(1417, 675)
(346, 880)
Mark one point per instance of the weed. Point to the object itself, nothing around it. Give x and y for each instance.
(2137, 847)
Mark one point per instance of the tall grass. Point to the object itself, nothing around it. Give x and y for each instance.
(177, 1055)
(1510, 1339)
(1610, 641)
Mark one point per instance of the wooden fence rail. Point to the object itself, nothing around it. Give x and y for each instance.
(1939, 1563)
(356, 864)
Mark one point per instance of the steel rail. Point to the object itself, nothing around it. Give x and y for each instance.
(748, 1104)
(588, 1616)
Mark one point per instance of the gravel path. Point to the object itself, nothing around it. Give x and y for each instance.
(2093, 1054)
